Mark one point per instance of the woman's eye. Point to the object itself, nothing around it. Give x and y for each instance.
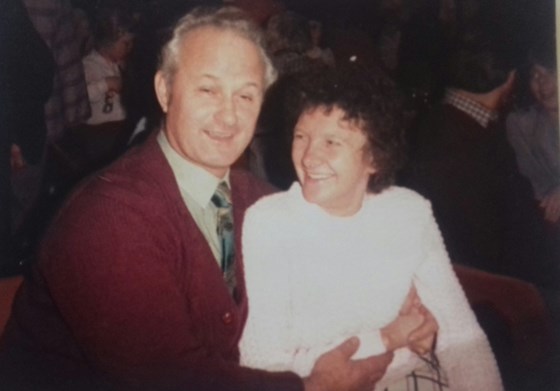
(247, 97)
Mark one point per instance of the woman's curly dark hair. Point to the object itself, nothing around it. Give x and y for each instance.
(371, 101)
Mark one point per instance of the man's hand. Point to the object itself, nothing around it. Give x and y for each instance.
(17, 161)
(551, 206)
(336, 371)
(422, 338)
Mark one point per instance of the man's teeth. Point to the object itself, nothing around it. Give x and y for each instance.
(318, 176)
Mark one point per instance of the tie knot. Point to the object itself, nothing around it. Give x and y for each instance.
(222, 196)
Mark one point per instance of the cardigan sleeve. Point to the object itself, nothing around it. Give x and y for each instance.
(108, 266)
(462, 346)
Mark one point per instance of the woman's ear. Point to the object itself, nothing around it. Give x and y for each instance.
(162, 93)
(371, 163)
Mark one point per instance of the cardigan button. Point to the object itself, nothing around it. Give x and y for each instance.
(227, 318)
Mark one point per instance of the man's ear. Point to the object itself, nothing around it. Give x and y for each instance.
(162, 93)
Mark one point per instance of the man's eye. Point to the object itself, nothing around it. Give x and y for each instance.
(247, 97)
(333, 143)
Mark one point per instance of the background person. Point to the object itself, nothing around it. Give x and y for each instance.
(460, 159)
(533, 130)
(25, 86)
(105, 133)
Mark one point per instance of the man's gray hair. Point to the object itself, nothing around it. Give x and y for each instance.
(224, 18)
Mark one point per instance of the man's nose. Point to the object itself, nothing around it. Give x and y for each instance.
(227, 111)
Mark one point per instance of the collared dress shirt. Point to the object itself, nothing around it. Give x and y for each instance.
(477, 111)
(197, 187)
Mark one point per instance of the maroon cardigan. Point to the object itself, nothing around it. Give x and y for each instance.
(127, 286)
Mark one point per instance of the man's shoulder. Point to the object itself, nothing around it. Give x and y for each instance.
(444, 113)
(443, 126)
(141, 177)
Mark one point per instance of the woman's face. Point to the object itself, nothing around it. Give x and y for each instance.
(331, 160)
(543, 86)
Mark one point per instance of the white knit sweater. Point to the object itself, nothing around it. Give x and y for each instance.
(314, 280)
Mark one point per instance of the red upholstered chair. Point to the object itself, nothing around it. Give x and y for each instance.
(8, 288)
(520, 306)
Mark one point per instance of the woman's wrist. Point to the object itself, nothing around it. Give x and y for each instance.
(388, 338)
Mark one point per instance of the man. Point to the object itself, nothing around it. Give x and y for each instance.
(24, 88)
(460, 159)
(130, 287)
(68, 104)
(36, 183)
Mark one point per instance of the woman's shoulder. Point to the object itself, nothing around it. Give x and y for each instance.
(399, 203)
(521, 121)
(399, 196)
(272, 206)
(93, 57)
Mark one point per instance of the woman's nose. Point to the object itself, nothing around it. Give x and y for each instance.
(311, 156)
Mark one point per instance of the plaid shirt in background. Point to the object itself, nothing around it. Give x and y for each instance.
(478, 112)
(68, 104)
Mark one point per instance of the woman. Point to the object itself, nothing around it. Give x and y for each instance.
(337, 254)
(533, 131)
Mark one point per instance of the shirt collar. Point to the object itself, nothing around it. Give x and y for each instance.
(477, 111)
(192, 179)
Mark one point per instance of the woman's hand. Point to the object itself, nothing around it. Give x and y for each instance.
(415, 327)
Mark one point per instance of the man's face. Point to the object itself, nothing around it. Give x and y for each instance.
(331, 161)
(214, 99)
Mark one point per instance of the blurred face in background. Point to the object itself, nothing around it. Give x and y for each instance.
(119, 50)
(543, 85)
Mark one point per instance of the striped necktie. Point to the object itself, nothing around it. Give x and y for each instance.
(222, 200)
